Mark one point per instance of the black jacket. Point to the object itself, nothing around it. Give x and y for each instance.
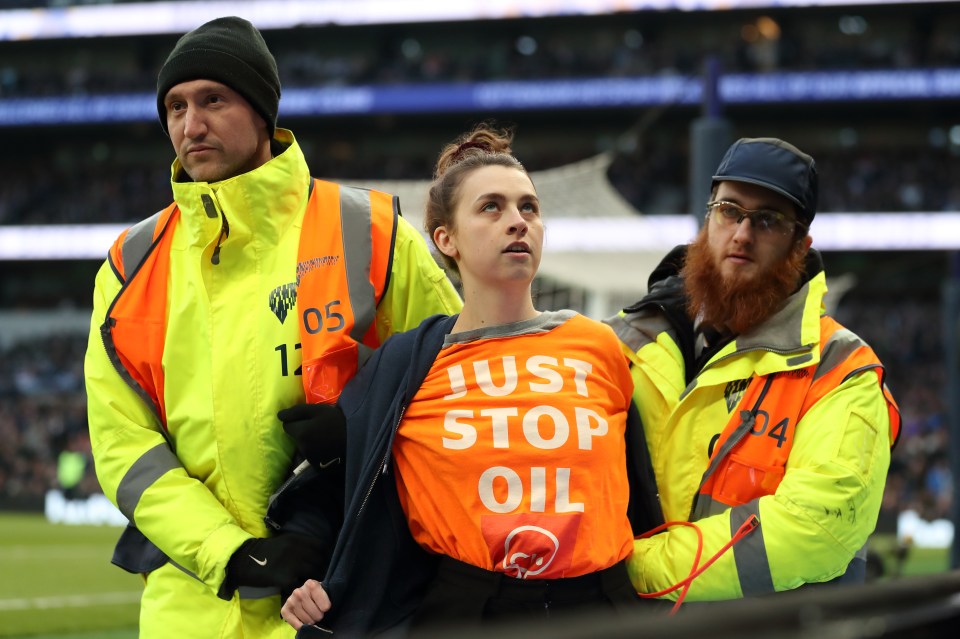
(378, 574)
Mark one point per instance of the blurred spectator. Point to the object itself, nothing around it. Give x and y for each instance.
(42, 414)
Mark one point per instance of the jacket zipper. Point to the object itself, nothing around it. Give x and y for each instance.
(299, 470)
(769, 349)
(334, 562)
(210, 208)
(383, 465)
(224, 234)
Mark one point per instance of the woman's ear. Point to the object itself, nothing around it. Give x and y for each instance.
(445, 242)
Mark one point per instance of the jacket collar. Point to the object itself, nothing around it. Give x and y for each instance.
(259, 204)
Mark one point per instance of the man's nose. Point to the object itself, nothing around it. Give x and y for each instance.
(744, 231)
(194, 123)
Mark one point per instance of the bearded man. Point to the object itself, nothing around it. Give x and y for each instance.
(769, 424)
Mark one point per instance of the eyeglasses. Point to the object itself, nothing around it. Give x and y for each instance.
(762, 220)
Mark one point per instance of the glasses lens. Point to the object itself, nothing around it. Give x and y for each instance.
(764, 221)
(726, 212)
(776, 222)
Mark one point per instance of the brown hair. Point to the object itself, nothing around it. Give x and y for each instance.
(485, 145)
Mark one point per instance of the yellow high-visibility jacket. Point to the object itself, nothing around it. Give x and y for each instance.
(196, 479)
(817, 509)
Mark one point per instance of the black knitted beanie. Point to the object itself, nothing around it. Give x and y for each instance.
(228, 50)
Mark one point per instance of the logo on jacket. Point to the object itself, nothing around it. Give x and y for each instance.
(734, 392)
(282, 299)
(312, 264)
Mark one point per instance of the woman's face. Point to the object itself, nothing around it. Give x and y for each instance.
(497, 236)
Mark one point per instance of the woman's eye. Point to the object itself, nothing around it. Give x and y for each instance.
(489, 206)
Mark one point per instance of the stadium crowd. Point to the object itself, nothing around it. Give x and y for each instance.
(631, 44)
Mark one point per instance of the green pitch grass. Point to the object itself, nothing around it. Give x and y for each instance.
(57, 581)
(899, 561)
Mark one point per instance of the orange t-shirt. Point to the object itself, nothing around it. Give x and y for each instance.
(511, 457)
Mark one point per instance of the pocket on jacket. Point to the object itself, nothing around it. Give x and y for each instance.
(742, 481)
(325, 376)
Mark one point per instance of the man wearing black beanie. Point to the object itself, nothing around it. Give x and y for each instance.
(258, 291)
(228, 50)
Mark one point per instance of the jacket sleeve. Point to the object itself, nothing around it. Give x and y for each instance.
(139, 472)
(418, 287)
(821, 514)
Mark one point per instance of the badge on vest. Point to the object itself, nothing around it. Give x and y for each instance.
(733, 393)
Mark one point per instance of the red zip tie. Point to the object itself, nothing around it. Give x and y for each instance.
(696, 570)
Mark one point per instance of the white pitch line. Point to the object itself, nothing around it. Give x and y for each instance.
(70, 601)
(26, 553)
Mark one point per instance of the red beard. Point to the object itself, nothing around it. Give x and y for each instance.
(737, 304)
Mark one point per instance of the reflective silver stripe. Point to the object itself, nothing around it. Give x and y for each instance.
(152, 465)
(636, 330)
(706, 506)
(136, 245)
(861, 554)
(750, 552)
(799, 359)
(689, 389)
(633, 338)
(363, 354)
(245, 592)
(357, 232)
(137, 242)
(183, 570)
(841, 345)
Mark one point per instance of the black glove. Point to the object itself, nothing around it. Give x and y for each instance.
(283, 562)
(319, 431)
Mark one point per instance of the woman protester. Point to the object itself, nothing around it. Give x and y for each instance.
(495, 468)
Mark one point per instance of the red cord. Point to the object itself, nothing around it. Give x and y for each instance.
(696, 570)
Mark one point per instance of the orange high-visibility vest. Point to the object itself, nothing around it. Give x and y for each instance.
(350, 227)
(750, 457)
